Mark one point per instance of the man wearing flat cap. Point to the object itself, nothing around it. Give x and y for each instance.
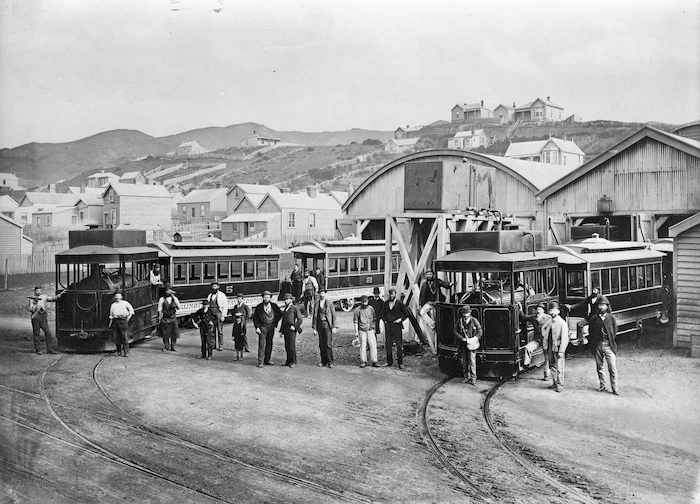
(290, 327)
(467, 327)
(602, 332)
(266, 316)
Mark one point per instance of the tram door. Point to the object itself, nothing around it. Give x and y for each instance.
(311, 262)
(497, 325)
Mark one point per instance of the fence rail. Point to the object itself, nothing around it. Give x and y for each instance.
(42, 261)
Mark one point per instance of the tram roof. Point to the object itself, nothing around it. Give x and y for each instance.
(341, 247)
(568, 254)
(102, 253)
(483, 260)
(215, 249)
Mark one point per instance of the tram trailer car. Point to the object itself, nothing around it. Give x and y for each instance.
(629, 274)
(97, 264)
(239, 266)
(497, 273)
(352, 267)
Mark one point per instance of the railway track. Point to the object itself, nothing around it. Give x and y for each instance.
(173, 439)
(532, 469)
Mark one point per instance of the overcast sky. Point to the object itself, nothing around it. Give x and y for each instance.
(73, 68)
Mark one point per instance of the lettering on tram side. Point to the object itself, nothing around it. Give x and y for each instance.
(350, 293)
(191, 307)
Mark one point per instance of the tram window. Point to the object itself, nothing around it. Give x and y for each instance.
(657, 275)
(236, 271)
(605, 281)
(180, 274)
(354, 263)
(615, 280)
(209, 272)
(222, 271)
(394, 263)
(343, 265)
(142, 270)
(272, 270)
(633, 277)
(63, 275)
(332, 267)
(574, 284)
(649, 275)
(261, 273)
(595, 279)
(551, 281)
(248, 270)
(195, 272)
(624, 279)
(364, 263)
(374, 264)
(382, 264)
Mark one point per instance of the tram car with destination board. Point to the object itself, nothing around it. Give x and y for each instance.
(97, 264)
(352, 267)
(502, 276)
(246, 267)
(629, 274)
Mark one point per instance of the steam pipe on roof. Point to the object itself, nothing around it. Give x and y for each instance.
(533, 241)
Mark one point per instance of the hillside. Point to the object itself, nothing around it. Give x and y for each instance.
(37, 164)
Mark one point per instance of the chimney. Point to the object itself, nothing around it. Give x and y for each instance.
(513, 104)
(82, 188)
(482, 103)
(312, 191)
(548, 98)
(218, 185)
(52, 188)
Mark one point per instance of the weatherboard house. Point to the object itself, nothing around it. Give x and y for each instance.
(467, 140)
(102, 179)
(539, 110)
(553, 151)
(253, 193)
(395, 146)
(187, 148)
(203, 205)
(138, 206)
(470, 112)
(257, 140)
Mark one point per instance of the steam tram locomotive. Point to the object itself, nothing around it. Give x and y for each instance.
(97, 264)
(246, 267)
(352, 267)
(500, 275)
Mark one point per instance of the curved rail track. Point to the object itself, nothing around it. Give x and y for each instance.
(421, 415)
(158, 432)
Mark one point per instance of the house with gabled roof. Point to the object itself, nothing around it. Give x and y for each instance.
(258, 140)
(470, 112)
(238, 191)
(134, 177)
(12, 238)
(407, 132)
(553, 151)
(395, 146)
(8, 182)
(203, 205)
(139, 206)
(101, 179)
(192, 147)
(539, 110)
(468, 140)
(504, 113)
(8, 206)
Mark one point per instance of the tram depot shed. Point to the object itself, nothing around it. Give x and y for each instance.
(686, 274)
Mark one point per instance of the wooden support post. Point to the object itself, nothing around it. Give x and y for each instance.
(387, 253)
(7, 271)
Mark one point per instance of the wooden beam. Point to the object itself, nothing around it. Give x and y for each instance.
(387, 253)
(660, 222)
(576, 223)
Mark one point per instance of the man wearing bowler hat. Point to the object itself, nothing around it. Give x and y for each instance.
(467, 327)
(394, 312)
(377, 303)
(266, 316)
(241, 307)
(323, 325)
(291, 325)
(602, 333)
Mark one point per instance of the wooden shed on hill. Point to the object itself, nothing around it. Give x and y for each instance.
(686, 274)
(640, 186)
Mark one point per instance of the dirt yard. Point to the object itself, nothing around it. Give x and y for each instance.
(320, 435)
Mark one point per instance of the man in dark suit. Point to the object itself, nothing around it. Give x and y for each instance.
(377, 303)
(291, 325)
(602, 332)
(394, 312)
(265, 318)
(323, 324)
(430, 290)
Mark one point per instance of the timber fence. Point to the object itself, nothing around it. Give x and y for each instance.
(41, 260)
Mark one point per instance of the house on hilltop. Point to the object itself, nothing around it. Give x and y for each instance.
(504, 113)
(470, 112)
(552, 151)
(203, 205)
(407, 132)
(187, 148)
(468, 140)
(394, 146)
(257, 140)
(136, 205)
(539, 110)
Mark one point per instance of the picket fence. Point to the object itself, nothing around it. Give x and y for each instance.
(40, 261)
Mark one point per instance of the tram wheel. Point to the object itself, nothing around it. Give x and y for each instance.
(347, 304)
(449, 366)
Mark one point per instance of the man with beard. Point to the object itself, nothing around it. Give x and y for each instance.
(266, 316)
(394, 313)
(323, 325)
(290, 327)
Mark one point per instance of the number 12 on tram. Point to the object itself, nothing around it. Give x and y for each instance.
(502, 277)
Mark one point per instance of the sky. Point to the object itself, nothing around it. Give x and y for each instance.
(74, 68)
